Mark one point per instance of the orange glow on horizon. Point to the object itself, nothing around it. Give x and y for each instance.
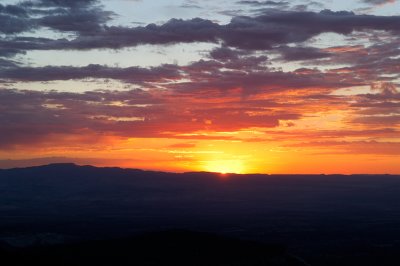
(247, 152)
(225, 166)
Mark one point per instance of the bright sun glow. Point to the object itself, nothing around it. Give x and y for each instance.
(225, 166)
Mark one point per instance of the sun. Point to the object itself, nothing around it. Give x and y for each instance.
(225, 166)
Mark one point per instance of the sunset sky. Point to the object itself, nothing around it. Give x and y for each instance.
(202, 85)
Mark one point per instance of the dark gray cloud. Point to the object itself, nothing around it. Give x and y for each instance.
(61, 3)
(5, 63)
(252, 33)
(14, 19)
(264, 3)
(13, 10)
(231, 69)
(251, 77)
(130, 74)
(261, 32)
(378, 2)
(83, 21)
(224, 53)
(11, 25)
(188, 5)
(61, 15)
(301, 53)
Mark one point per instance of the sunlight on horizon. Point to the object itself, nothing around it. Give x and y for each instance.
(225, 166)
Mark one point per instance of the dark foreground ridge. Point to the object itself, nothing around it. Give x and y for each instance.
(324, 219)
(164, 248)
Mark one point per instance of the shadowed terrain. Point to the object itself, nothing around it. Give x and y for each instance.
(326, 220)
(165, 248)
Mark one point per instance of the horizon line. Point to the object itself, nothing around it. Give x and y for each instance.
(189, 172)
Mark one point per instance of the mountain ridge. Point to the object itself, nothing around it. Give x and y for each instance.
(72, 166)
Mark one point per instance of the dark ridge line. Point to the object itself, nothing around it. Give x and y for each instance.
(77, 166)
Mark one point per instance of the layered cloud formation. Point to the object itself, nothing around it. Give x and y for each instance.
(289, 78)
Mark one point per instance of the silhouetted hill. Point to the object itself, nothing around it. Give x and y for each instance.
(327, 219)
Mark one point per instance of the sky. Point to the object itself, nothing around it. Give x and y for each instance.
(198, 85)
